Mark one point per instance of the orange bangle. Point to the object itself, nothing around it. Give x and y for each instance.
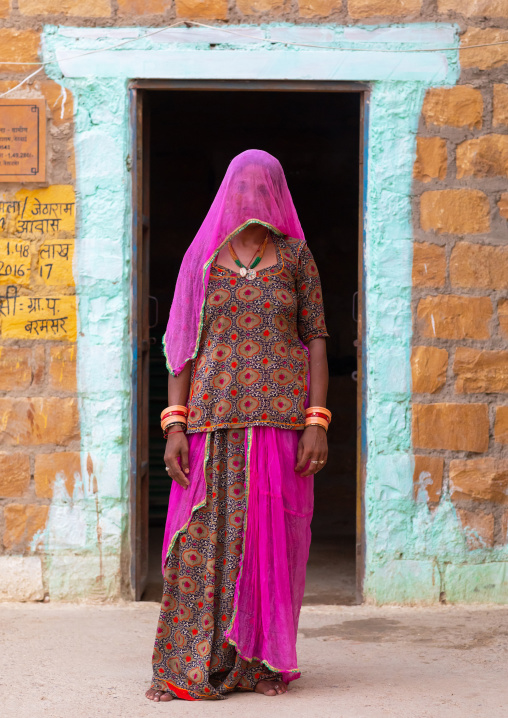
(315, 421)
(319, 415)
(174, 411)
(320, 409)
(175, 407)
(173, 414)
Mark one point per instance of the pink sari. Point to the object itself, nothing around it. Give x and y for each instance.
(270, 588)
(271, 584)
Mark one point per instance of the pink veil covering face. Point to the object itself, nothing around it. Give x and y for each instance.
(254, 189)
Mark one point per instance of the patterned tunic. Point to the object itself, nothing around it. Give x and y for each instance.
(251, 367)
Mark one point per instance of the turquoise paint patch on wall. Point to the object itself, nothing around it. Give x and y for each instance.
(411, 552)
(86, 535)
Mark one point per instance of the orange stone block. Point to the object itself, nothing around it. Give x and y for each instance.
(484, 479)
(253, 7)
(456, 427)
(479, 266)
(448, 316)
(500, 105)
(15, 368)
(502, 313)
(65, 464)
(22, 523)
(62, 367)
(71, 158)
(503, 205)
(42, 420)
(72, 8)
(455, 211)
(377, 8)
(501, 425)
(428, 369)
(431, 159)
(213, 9)
(143, 7)
(428, 477)
(480, 371)
(478, 528)
(6, 85)
(429, 265)
(318, 8)
(19, 46)
(459, 106)
(485, 156)
(474, 8)
(59, 100)
(5, 8)
(39, 364)
(490, 55)
(14, 475)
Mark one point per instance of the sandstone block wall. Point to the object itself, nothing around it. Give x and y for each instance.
(460, 281)
(460, 294)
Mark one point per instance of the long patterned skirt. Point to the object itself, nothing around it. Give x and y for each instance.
(192, 659)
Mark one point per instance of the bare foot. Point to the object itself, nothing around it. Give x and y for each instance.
(158, 696)
(271, 688)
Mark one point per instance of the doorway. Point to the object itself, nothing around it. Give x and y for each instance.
(187, 136)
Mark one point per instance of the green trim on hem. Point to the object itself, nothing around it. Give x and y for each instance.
(235, 611)
(248, 434)
(265, 663)
(197, 506)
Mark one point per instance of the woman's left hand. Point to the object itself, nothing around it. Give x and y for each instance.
(312, 451)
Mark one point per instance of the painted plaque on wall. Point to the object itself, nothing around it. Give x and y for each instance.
(22, 140)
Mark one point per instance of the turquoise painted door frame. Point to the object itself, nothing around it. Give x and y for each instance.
(395, 63)
(139, 491)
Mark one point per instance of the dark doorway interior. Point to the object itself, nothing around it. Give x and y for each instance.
(315, 135)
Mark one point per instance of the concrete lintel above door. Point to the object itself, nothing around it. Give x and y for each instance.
(375, 53)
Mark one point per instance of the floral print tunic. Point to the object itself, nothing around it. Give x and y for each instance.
(251, 367)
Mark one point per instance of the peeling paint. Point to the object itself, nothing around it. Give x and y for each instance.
(424, 480)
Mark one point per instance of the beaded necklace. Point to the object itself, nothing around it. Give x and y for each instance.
(248, 271)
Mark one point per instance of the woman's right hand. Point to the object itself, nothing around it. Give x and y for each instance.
(176, 457)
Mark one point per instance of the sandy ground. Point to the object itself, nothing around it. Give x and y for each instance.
(69, 661)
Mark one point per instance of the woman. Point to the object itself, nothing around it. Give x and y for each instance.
(246, 329)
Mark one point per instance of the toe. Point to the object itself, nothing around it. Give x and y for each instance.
(269, 688)
(165, 697)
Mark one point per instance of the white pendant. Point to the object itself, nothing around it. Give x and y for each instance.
(243, 271)
(251, 274)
